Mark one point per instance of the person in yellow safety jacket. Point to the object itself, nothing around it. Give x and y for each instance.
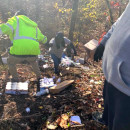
(25, 37)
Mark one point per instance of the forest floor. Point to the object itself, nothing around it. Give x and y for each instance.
(81, 99)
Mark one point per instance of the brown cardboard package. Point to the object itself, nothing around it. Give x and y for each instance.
(92, 44)
(61, 86)
(90, 49)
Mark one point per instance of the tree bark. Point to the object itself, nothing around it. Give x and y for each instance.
(37, 5)
(79, 29)
(120, 8)
(1, 62)
(110, 11)
(73, 18)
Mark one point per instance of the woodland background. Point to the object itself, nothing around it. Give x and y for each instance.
(81, 21)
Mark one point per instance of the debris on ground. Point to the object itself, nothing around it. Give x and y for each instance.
(54, 110)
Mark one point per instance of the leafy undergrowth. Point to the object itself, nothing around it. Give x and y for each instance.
(81, 98)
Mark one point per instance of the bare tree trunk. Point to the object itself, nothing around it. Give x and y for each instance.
(37, 5)
(120, 11)
(79, 29)
(120, 8)
(3, 11)
(110, 11)
(73, 19)
(1, 62)
(18, 4)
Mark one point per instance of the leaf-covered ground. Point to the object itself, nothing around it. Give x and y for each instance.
(81, 98)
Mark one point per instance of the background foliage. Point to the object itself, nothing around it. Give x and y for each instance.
(93, 16)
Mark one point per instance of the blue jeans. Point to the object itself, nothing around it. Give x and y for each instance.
(57, 61)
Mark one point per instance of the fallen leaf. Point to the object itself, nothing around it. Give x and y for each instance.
(41, 107)
(99, 106)
(63, 120)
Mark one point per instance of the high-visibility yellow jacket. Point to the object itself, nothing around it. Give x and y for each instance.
(24, 35)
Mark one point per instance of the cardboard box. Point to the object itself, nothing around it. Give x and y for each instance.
(60, 87)
(90, 49)
(16, 88)
(91, 45)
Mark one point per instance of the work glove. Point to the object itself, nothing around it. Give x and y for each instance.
(98, 53)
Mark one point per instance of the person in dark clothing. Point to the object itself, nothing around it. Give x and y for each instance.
(116, 67)
(57, 47)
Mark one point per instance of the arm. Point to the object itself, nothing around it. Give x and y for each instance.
(100, 49)
(4, 29)
(69, 46)
(109, 33)
(107, 36)
(49, 45)
(41, 38)
(8, 28)
(51, 42)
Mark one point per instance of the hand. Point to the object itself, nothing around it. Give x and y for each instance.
(99, 53)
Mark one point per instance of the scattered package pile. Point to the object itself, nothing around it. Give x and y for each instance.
(16, 88)
(61, 86)
(66, 61)
(47, 86)
(41, 57)
(80, 60)
(46, 83)
(65, 121)
(4, 60)
(84, 98)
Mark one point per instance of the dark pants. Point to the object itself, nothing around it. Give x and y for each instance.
(116, 108)
(57, 61)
